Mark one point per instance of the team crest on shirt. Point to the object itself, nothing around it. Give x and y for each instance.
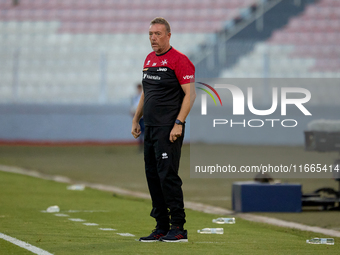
(164, 62)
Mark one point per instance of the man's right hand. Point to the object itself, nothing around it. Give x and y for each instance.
(135, 131)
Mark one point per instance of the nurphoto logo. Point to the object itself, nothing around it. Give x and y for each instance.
(238, 104)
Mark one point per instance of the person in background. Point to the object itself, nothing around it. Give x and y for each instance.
(134, 104)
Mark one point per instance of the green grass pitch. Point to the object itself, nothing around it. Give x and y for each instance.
(123, 166)
(23, 199)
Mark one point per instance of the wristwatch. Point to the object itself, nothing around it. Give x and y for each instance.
(178, 122)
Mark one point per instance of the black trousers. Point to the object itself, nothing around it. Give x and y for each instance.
(161, 167)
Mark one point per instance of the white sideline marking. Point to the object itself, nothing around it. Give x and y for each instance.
(61, 215)
(89, 211)
(77, 220)
(107, 229)
(24, 245)
(209, 242)
(90, 224)
(125, 234)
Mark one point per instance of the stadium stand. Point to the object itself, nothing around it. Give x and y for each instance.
(92, 51)
(69, 68)
(307, 46)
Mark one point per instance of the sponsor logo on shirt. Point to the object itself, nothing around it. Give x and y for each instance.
(164, 62)
(162, 69)
(151, 77)
(164, 155)
(188, 77)
(148, 62)
(154, 64)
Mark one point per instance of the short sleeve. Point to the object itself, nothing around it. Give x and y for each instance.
(185, 70)
(148, 59)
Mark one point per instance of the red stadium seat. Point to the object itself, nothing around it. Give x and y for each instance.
(315, 35)
(73, 14)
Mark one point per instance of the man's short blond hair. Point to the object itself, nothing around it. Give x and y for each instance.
(160, 20)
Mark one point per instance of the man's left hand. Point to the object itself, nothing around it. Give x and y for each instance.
(176, 132)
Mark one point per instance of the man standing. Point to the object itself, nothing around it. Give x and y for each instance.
(168, 95)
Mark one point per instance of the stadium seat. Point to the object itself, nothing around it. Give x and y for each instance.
(306, 47)
(62, 46)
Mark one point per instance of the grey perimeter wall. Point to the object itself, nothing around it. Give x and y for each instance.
(65, 123)
(111, 123)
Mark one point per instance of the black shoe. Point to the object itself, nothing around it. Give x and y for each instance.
(154, 236)
(176, 234)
